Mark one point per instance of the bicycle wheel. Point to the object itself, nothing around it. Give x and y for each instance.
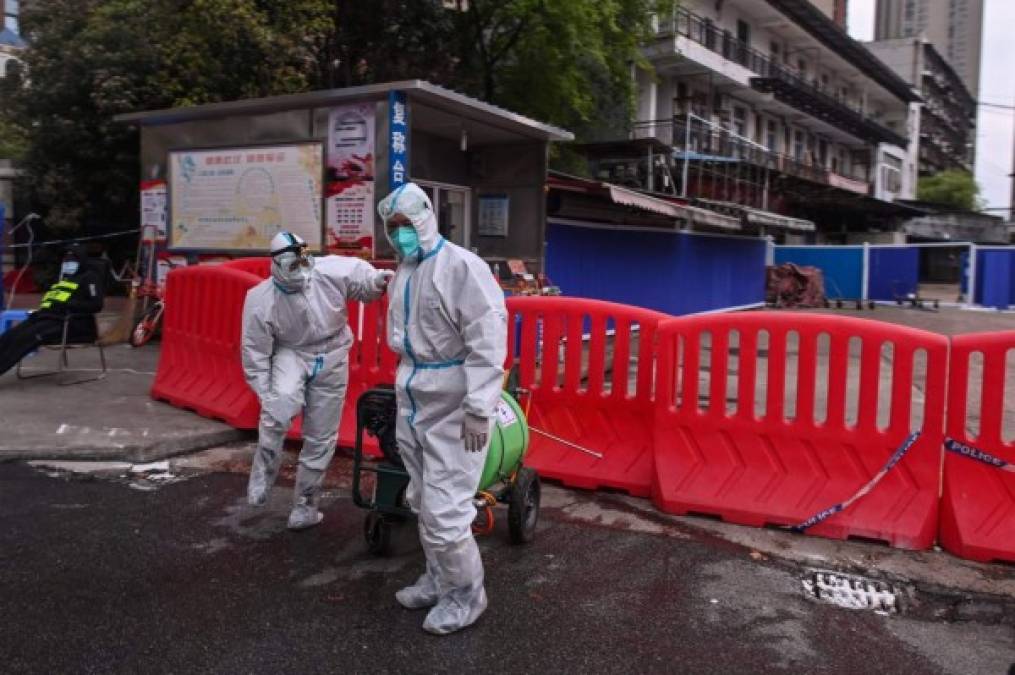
(146, 327)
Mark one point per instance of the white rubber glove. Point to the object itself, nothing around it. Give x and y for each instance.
(475, 432)
(383, 278)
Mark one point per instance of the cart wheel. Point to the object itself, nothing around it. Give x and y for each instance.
(870, 305)
(523, 509)
(377, 531)
(838, 304)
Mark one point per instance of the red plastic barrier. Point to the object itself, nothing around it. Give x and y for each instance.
(978, 503)
(199, 366)
(587, 398)
(259, 267)
(720, 456)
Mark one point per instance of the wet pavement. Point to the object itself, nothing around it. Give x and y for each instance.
(158, 571)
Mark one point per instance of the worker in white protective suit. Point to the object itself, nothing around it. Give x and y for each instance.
(448, 322)
(295, 355)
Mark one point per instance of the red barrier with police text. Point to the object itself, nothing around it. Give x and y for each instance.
(587, 368)
(774, 417)
(978, 501)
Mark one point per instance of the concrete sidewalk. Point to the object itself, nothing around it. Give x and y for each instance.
(110, 419)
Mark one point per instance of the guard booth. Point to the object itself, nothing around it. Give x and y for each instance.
(223, 178)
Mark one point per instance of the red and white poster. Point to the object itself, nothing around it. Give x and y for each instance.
(153, 211)
(349, 184)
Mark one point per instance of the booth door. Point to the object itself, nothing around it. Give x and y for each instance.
(451, 202)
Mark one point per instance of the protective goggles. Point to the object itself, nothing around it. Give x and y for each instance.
(291, 259)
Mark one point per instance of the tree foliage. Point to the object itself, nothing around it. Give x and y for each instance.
(567, 62)
(90, 60)
(954, 188)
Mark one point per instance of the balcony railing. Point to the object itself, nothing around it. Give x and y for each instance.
(841, 111)
(713, 162)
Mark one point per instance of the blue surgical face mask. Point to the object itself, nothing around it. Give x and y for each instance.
(69, 268)
(406, 240)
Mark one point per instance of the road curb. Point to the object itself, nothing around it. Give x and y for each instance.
(133, 452)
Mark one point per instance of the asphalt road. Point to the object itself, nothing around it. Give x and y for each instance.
(99, 577)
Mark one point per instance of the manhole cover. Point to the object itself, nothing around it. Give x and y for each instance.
(854, 592)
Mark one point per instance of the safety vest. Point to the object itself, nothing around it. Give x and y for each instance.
(58, 293)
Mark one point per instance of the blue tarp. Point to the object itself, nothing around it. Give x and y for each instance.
(675, 273)
(841, 266)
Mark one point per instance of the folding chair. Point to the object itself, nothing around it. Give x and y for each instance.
(64, 347)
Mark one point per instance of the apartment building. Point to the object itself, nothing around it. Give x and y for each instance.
(836, 10)
(769, 104)
(946, 124)
(10, 36)
(954, 27)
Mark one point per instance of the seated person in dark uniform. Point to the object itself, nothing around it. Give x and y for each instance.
(79, 291)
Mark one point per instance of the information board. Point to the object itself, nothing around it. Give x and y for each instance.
(237, 199)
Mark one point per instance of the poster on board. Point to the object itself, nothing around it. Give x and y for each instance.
(493, 215)
(237, 199)
(349, 188)
(153, 211)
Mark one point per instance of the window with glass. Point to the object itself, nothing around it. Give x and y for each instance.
(739, 121)
(11, 11)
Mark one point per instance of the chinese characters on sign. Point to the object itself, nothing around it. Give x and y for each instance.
(237, 199)
(349, 191)
(493, 215)
(398, 141)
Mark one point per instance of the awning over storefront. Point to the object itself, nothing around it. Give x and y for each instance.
(776, 220)
(690, 215)
(758, 217)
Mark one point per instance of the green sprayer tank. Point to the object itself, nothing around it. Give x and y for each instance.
(509, 444)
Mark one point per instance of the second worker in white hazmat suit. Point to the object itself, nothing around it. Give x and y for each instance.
(447, 321)
(295, 349)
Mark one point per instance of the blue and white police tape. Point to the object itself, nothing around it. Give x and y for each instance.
(952, 445)
(841, 506)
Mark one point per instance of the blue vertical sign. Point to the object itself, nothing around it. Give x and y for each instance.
(3, 215)
(398, 140)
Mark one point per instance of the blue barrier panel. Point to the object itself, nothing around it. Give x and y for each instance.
(841, 266)
(964, 272)
(718, 272)
(668, 272)
(3, 222)
(997, 272)
(894, 272)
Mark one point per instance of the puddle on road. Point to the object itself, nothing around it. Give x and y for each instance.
(854, 592)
